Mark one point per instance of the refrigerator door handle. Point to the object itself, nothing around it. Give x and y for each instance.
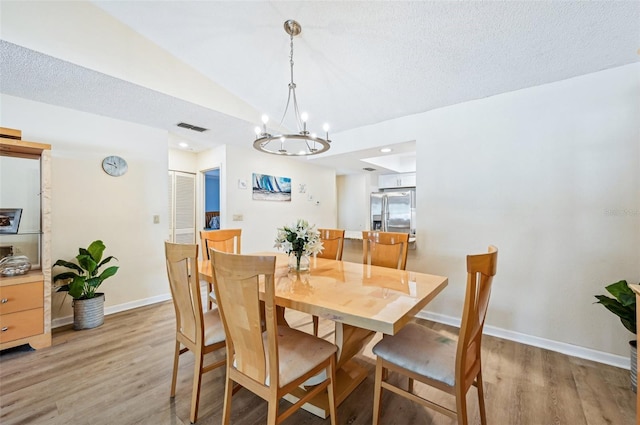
(385, 213)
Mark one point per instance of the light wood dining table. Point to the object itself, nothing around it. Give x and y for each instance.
(360, 299)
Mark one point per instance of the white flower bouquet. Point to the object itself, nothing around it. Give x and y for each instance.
(301, 239)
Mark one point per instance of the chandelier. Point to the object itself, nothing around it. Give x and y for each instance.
(302, 143)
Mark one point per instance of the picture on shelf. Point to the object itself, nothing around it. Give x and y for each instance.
(10, 220)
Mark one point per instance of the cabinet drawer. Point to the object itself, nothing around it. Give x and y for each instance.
(25, 296)
(21, 324)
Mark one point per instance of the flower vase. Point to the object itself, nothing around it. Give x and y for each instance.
(299, 262)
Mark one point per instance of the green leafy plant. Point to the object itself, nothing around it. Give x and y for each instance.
(84, 280)
(622, 305)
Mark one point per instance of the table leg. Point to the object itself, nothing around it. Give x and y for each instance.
(349, 374)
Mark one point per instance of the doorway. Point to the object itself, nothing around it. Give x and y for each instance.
(212, 199)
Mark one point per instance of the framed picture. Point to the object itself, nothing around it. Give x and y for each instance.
(10, 220)
(271, 188)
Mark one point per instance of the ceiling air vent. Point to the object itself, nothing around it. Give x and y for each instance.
(369, 169)
(192, 127)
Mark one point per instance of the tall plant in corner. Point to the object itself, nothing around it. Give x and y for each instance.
(85, 278)
(623, 305)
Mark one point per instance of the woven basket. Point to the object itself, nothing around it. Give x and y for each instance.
(89, 313)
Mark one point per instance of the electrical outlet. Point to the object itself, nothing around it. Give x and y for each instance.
(156, 219)
(237, 217)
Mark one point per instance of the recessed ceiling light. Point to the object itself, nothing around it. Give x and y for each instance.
(386, 150)
(184, 145)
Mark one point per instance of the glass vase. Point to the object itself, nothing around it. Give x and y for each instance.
(299, 262)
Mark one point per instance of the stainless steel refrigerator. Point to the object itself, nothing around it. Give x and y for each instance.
(394, 211)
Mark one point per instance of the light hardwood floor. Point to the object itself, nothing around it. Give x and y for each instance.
(120, 373)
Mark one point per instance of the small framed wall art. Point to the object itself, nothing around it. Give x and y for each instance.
(10, 220)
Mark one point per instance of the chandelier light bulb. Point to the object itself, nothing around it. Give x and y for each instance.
(325, 127)
(258, 131)
(304, 117)
(265, 119)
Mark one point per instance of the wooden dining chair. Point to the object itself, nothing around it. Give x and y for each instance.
(386, 249)
(427, 356)
(272, 363)
(198, 332)
(332, 243)
(332, 246)
(225, 240)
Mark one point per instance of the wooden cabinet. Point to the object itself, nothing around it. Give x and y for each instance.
(22, 308)
(25, 300)
(397, 180)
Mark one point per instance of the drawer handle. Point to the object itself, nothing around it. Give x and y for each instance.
(4, 301)
(4, 329)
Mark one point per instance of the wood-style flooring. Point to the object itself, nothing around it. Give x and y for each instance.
(120, 373)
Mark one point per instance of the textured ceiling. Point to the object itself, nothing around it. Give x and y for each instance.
(356, 63)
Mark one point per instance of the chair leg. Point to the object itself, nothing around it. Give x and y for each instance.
(483, 412)
(461, 407)
(209, 300)
(410, 385)
(174, 378)
(197, 379)
(272, 412)
(226, 408)
(331, 372)
(315, 325)
(377, 392)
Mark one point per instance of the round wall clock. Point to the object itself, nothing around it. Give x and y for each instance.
(114, 165)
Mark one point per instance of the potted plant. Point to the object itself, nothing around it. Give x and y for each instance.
(82, 283)
(623, 305)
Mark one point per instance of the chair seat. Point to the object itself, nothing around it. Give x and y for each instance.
(409, 347)
(298, 353)
(213, 327)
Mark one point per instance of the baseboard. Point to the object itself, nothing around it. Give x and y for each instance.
(67, 320)
(560, 347)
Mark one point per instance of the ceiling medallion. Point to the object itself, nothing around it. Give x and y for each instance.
(302, 143)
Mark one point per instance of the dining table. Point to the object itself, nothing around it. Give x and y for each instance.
(360, 299)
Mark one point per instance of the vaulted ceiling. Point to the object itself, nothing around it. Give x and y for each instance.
(356, 63)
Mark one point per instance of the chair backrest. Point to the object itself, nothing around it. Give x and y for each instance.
(225, 240)
(332, 243)
(480, 271)
(236, 282)
(386, 249)
(182, 270)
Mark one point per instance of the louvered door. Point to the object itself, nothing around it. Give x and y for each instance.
(182, 207)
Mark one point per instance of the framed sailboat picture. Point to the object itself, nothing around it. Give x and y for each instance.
(271, 188)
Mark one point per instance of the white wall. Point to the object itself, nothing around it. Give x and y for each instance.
(87, 204)
(353, 201)
(551, 176)
(180, 160)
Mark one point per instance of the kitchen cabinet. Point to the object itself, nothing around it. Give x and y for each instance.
(25, 300)
(386, 181)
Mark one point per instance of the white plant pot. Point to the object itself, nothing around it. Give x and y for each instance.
(88, 314)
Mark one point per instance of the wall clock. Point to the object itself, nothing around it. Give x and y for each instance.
(114, 165)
